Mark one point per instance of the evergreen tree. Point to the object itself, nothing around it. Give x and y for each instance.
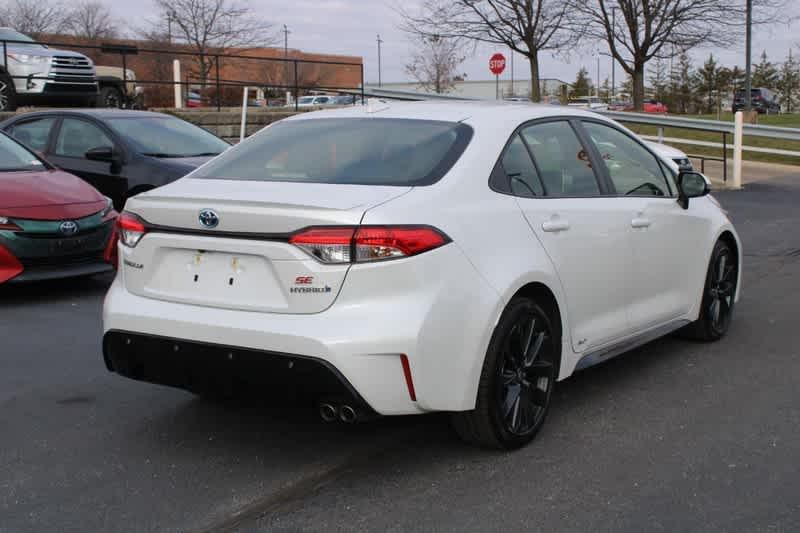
(605, 90)
(765, 74)
(582, 85)
(681, 80)
(706, 80)
(659, 81)
(737, 79)
(789, 83)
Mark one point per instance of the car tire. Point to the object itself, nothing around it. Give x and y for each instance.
(8, 94)
(719, 295)
(110, 97)
(517, 380)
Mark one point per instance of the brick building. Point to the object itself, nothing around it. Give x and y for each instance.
(259, 67)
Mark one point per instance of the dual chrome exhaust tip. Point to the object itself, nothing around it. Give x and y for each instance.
(330, 412)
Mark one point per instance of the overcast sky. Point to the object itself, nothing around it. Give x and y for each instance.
(350, 27)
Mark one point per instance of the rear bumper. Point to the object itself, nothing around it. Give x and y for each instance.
(378, 317)
(199, 367)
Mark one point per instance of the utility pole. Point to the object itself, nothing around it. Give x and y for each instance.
(597, 83)
(613, 60)
(286, 33)
(748, 83)
(513, 93)
(379, 40)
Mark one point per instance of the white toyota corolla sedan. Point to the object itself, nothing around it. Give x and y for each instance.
(406, 258)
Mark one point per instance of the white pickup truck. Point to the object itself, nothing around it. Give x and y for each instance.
(32, 73)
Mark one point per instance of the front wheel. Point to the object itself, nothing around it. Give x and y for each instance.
(719, 293)
(516, 382)
(8, 94)
(111, 97)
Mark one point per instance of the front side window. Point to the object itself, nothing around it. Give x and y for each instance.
(77, 137)
(633, 170)
(34, 133)
(364, 151)
(563, 163)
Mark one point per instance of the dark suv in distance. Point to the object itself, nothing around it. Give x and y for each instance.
(763, 101)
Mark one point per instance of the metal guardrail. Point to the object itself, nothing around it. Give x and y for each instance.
(718, 126)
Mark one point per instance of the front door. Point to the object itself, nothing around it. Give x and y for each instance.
(664, 236)
(77, 136)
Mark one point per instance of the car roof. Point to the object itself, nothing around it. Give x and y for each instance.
(483, 112)
(101, 114)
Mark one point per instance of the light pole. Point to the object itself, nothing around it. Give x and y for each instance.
(613, 60)
(379, 40)
(597, 83)
(286, 33)
(748, 61)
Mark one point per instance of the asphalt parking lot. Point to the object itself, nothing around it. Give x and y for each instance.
(675, 436)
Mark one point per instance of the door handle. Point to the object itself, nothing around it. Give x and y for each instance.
(555, 225)
(640, 223)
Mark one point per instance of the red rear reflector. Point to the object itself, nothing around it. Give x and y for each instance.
(111, 252)
(409, 381)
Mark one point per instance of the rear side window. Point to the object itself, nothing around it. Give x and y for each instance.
(365, 151)
(76, 137)
(522, 176)
(34, 133)
(563, 163)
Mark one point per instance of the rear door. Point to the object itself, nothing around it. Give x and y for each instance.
(584, 232)
(34, 133)
(76, 136)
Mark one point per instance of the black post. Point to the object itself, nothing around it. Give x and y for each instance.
(219, 96)
(724, 157)
(125, 76)
(296, 88)
(5, 56)
(362, 83)
(748, 79)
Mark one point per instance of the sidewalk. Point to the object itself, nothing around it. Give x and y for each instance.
(752, 171)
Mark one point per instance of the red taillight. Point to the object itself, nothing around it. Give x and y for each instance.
(111, 252)
(130, 229)
(360, 244)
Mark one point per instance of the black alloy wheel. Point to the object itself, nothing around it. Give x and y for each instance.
(719, 293)
(525, 375)
(517, 380)
(8, 95)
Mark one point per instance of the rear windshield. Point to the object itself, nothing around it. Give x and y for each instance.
(364, 151)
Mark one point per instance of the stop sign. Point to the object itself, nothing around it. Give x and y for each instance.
(497, 64)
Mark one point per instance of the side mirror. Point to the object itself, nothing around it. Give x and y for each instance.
(101, 153)
(691, 185)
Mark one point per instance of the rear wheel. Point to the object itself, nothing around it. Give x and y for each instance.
(516, 381)
(8, 95)
(111, 97)
(719, 292)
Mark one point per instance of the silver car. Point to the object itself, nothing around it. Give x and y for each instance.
(32, 73)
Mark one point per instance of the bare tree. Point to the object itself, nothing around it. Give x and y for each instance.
(528, 27)
(92, 20)
(434, 64)
(33, 17)
(637, 31)
(210, 26)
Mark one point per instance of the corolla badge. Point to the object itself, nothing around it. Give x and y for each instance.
(68, 227)
(208, 218)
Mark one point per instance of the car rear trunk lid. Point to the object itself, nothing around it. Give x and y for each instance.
(245, 262)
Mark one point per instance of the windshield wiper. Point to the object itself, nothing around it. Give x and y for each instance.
(162, 155)
(204, 154)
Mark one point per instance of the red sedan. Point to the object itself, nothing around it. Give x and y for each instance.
(654, 106)
(52, 224)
